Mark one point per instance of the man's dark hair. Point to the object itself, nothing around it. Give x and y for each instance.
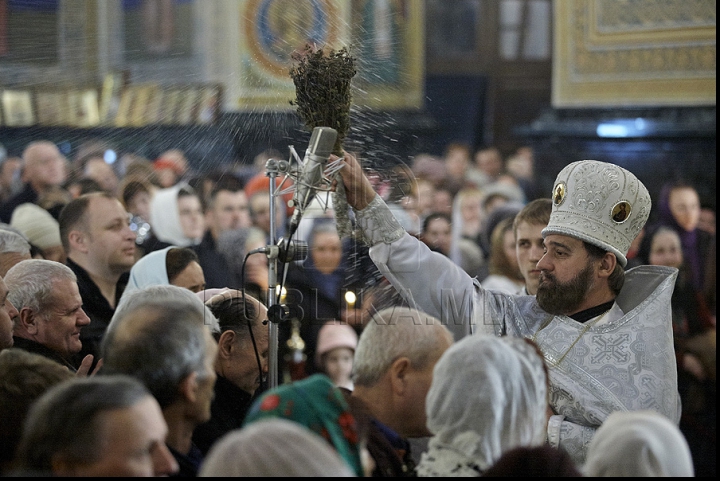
(177, 259)
(72, 216)
(66, 420)
(617, 278)
(234, 314)
(435, 215)
(229, 183)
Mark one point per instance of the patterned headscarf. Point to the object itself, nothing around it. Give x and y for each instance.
(318, 405)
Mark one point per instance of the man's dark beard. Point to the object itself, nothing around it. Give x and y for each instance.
(556, 298)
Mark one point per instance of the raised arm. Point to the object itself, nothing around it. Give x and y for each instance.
(429, 281)
(358, 189)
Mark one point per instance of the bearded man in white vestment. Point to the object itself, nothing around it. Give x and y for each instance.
(606, 334)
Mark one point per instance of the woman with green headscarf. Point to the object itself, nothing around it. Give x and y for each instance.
(317, 404)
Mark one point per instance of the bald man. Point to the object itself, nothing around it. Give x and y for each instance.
(43, 168)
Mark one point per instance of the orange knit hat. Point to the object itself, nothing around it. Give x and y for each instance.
(261, 183)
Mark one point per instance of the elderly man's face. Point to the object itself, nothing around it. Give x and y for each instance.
(45, 166)
(58, 325)
(8, 313)
(243, 368)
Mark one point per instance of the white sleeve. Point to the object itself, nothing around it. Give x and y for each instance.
(428, 280)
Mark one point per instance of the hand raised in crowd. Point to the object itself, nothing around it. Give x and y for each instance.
(86, 364)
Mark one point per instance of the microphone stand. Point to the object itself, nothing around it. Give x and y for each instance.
(272, 169)
(286, 251)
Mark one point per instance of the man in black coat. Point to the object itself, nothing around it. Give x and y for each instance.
(100, 246)
(227, 209)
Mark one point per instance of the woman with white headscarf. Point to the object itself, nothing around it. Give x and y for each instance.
(488, 395)
(467, 217)
(273, 447)
(174, 265)
(176, 217)
(638, 444)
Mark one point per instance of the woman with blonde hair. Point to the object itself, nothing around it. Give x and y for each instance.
(504, 270)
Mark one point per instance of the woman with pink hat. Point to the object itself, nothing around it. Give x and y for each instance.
(335, 351)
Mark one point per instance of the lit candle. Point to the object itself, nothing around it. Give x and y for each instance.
(350, 298)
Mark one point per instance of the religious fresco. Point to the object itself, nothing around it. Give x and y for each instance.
(269, 31)
(384, 35)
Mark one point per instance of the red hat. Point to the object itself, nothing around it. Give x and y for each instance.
(163, 163)
(261, 183)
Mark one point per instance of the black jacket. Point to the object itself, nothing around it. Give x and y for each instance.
(314, 299)
(97, 309)
(214, 265)
(390, 452)
(27, 195)
(227, 412)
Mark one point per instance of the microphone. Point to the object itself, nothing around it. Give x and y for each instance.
(317, 154)
(286, 250)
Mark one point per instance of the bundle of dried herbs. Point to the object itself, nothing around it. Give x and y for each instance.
(322, 89)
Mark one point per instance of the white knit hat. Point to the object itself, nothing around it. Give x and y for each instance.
(41, 228)
(601, 204)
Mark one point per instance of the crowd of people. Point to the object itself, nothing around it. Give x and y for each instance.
(471, 325)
